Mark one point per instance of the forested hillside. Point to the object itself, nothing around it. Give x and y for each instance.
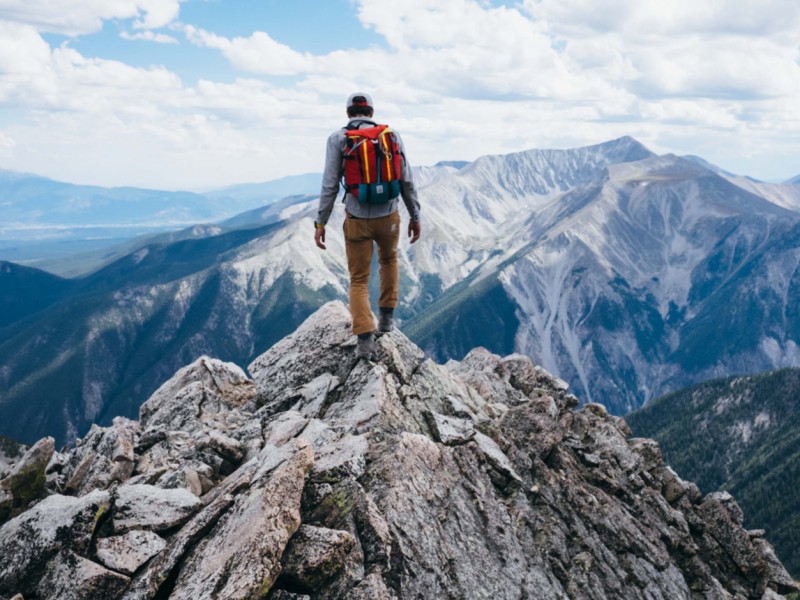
(740, 434)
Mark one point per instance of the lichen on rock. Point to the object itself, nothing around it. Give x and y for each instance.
(26, 479)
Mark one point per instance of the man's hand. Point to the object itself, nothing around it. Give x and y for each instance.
(413, 231)
(319, 236)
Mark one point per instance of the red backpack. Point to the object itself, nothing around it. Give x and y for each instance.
(373, 164)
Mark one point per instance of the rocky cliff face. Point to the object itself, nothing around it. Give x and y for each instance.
(324, 477)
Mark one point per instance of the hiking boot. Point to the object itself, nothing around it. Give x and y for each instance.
(365, 348)
(386, 321)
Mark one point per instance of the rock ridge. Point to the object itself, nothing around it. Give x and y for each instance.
(319, 476)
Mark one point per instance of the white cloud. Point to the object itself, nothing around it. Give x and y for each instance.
(648, 18)
(456, 48)
(436, 24)
(76, 17)
(61, 86)
(458, 79)
(725, 69)
(156, 13)
(258, 53)
(6, 144)
(575, 50)
(149, 36)
(24, 62)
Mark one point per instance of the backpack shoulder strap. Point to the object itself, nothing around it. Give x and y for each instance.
(352, 126)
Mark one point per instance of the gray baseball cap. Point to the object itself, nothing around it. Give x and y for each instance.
(359, 99)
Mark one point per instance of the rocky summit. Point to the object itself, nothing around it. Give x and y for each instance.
(327, 477)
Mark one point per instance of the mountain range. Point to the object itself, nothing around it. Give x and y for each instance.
(41, 220)
(641, 277)
(626, 273)
(747, 432)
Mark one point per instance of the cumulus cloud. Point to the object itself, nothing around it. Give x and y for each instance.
(154, 14)
(575, 50)
(647, 18)
(459, 79)
(63, 79)
(24, 61)
(457, 48)
(258, 53)
(725, 49)
(76, 17)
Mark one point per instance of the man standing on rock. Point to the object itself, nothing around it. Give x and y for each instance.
(376, 174)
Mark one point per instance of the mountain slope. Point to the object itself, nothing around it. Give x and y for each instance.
(125, 328)
(747, 431)
(25, 291)
(474, 211)
(326, 477)
(782, 194)
(625, 281)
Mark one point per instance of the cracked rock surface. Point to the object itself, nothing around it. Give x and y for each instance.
(322, 477)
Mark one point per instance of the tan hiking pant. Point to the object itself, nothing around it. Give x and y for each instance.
(359, 235)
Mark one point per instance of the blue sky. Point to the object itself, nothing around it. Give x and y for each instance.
(196, 94)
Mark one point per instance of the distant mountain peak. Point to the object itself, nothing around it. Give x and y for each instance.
(456, 164)
(8, 176)
(624, 149)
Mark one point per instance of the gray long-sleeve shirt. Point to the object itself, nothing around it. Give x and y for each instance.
(334, 158)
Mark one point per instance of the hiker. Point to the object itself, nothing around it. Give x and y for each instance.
(376, 174)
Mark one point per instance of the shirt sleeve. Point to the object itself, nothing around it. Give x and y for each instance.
(408, 190)
(330, 178)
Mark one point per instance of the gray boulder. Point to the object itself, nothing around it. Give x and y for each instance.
(72, 577)
(314, 555)
(152, 508)
(126, 553)
(240, 557)
(104, 456)
(28, 542)
(202, 394)
(26, 479)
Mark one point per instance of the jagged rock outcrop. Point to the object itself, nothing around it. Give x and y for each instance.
(26, 479)
(326, 477)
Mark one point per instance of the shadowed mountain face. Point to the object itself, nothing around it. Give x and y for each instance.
(25, 291)
(327, 477)
(627, 274)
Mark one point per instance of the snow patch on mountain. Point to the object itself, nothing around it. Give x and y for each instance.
(291, 249)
